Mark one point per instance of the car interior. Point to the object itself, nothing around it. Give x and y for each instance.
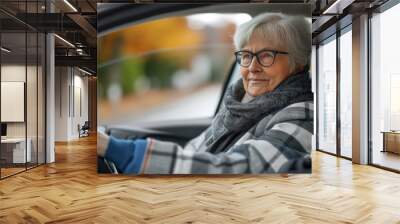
(178, 131)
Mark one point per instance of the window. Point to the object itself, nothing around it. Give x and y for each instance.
(346, 93)
(327, 96)
(167, 69)
(385, 88)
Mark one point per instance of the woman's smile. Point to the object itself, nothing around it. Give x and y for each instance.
(258, 81)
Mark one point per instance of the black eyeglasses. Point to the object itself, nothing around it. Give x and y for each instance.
(264, 57)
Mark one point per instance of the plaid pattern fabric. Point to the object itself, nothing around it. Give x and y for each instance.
(279, 143)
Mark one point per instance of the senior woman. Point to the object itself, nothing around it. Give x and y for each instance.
(266, 121)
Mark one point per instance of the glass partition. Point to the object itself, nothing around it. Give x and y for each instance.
(31, 97)
(22, 90)
(32, 73)
(14, 154)
(41, 86)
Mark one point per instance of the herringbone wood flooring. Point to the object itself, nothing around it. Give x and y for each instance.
(70, 191)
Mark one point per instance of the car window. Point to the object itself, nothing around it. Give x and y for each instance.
(235, 75)
(166, 69)
(231, 79)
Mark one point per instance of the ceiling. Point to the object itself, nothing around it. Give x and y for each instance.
(76, 22)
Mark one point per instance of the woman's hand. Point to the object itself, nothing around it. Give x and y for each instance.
(126, 154)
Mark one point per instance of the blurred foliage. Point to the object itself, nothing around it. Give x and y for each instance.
(154, 35)
(159, 70)
(102, 80)
(154, 51)
(131, 70)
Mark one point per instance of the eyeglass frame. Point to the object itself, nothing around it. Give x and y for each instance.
(258, 59)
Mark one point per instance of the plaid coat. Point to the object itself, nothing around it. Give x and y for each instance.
(279, 143)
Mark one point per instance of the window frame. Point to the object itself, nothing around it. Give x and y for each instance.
(333, 37)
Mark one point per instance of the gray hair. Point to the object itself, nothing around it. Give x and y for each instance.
(281, 30)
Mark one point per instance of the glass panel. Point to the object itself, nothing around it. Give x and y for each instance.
(385, 86)
(23, 85)
(17, 8)
(13, 87)
(327, 96)
(31, 97)
(178, 63)
(346, 94)
(31, 85)
(41, 98)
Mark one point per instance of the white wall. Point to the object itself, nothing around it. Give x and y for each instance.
(33, 126)
(62, 81)
(81, 100)
(13, 73)
(71, 87)
(12, 101)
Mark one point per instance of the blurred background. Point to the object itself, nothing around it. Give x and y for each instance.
(165, 69)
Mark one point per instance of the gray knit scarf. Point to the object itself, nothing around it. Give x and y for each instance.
(238, 117)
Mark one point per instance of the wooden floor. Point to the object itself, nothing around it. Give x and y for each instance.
(70, 191)
(10, 171)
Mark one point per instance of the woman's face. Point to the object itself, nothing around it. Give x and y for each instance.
(257, 79)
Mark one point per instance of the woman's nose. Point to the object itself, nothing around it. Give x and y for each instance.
(254, 65)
